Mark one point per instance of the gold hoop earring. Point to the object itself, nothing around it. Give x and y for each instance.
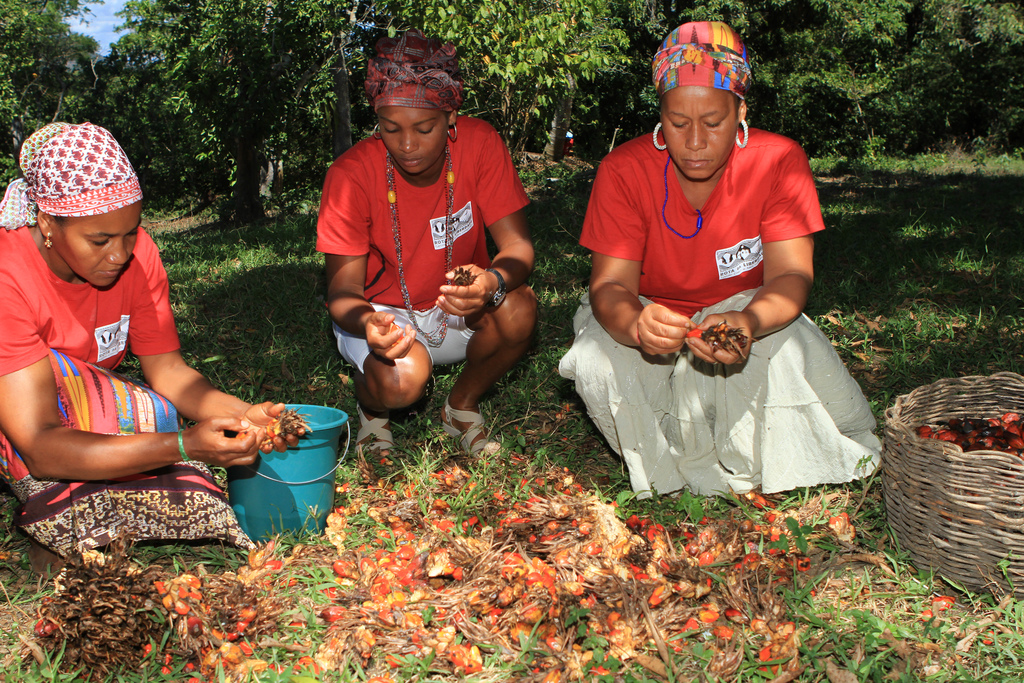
(657, 129)
(376, 131)
(455, 137)
(48, 243)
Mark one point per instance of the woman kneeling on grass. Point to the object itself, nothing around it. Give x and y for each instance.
(711, 221)
(90, 454)
(402, 211)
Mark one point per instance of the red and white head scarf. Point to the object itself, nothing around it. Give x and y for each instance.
(414, 71)
(69, 170)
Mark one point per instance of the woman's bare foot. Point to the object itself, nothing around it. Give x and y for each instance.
(43, 560)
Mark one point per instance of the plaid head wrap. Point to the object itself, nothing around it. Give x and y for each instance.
(705, 53)
(69, 170)
(413, 71)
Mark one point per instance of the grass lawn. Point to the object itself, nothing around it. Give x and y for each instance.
(919, 277)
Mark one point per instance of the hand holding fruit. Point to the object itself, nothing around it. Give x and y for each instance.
(385, 338)
(223, 441)
(270, 418)
(722, 338)
(662, 330)
(470, 290)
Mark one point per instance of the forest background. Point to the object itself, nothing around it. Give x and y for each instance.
(241, 105)
(233, 109)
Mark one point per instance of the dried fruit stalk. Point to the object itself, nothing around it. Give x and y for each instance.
(104, 615)
(288, 422)
(463, 277)
(721, 337)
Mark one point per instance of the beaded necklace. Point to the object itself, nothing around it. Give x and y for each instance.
(700, 218)
(436, 337)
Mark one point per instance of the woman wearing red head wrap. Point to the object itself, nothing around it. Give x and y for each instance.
(402, 211)
(709, 221)
(88, 453)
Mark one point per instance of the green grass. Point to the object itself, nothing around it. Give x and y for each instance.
(920, 276)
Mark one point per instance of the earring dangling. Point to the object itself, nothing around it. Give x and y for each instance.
(455, 137)
(657, 129)
(746, 135)
(376, 131)
(48, 243)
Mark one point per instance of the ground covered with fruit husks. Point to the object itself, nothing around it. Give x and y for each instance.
(556, 585)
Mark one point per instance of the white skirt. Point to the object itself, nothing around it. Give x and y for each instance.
(790, 416)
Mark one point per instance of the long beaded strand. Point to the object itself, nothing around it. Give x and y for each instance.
(700, 217)
(436, 337)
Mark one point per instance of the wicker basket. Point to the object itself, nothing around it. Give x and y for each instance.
(959, 514)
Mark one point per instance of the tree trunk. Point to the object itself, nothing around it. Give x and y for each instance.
(17, 138)
(248, 206)
(555, 148)
(342, 103)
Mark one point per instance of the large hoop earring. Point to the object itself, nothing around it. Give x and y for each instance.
(657, 129)
(376, 131)
(455, 137)
(746, 134)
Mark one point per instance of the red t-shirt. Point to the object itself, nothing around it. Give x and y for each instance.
(355, 218)
(766, 194)
(39, 311)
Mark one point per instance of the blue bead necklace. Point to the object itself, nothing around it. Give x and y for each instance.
(700, 218)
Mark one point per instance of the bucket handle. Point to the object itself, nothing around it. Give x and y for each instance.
(348, 440)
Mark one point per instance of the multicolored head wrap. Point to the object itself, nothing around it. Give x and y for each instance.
(705, 53)
(69, 170)
(413, 71)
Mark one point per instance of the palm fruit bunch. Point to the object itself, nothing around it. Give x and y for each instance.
(103, 614)
(463, 277)
(290, 421)
(721, 336)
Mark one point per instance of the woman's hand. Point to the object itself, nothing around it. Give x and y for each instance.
(727, 355)
(463, 300)
(262, 415)
(661, 330)
(387, 339)
(223, 441)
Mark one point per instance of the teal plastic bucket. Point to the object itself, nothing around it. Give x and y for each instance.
(292, 491)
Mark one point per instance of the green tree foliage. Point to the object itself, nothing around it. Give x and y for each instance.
(250, 79)
(856, 76)
(225, 98)
(520, 57)
(45, 69)
(961, 80)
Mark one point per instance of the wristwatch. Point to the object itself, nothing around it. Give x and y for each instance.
(499, 294)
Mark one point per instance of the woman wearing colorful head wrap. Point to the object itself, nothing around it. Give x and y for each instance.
(401, 211)
(705, 221)
(88, 453)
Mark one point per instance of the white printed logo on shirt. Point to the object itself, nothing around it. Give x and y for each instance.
(112, 339)
(739, 258)
(462, 222)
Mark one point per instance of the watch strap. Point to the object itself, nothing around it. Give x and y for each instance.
(499, 295)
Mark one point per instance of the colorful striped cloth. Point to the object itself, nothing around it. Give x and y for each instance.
(180, 501)
(702, 53)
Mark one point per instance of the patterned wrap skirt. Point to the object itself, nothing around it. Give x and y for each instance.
(790, 416)
(176, 502)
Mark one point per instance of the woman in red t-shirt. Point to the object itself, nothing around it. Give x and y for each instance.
(709, 221)
(401, 212)
(90, 454)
